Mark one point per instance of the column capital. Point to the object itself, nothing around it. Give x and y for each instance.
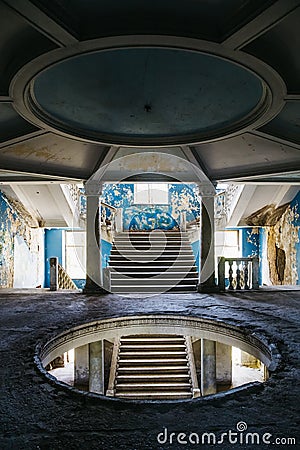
(206, 189)
(93, 188)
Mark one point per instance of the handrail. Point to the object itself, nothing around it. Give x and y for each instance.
(113, 369)
(64, 279)
(106, 205)
(192, 367)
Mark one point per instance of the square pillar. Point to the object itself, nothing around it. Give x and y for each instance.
(96, 367)
(223, 364)
(81, 367)
(207, 281)
(94, 276)
(208, 367)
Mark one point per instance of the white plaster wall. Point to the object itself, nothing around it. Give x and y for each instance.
(264, 263)
(29, 264)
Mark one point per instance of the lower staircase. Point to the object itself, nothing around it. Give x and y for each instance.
(156, 261)
(153, 367)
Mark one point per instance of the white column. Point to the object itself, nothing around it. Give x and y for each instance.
(94, 276)
(208, 367)
(207, 244)
(96, 367)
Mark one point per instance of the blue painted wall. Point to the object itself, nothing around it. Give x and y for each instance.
(251, 240)
(105, 252)
(181, 197)
(263, 257)
(7, 218)
(295, 207)
(54, 246)
(196, 251)
(21, 252)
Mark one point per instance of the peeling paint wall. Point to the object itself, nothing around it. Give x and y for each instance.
(283, 248)
(21, 247)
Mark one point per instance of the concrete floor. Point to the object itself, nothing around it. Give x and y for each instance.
(37, 415)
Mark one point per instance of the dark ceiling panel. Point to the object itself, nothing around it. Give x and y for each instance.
(19, 43)
(246, 155)
(11, 124)
(287, 124)
(60, 12)
(52, 154)
(238, 13)
(206, 18)
(279, 47)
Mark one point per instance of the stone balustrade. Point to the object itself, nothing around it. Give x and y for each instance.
(238, 273)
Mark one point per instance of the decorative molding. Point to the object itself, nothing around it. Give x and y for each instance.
(271, 103)
(5, 99)
(265, 21)
(42, 22)
(176, 324)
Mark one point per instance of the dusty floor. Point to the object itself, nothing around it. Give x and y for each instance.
(37, 415)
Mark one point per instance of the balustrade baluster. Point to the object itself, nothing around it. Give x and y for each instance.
(238, 276)
(230, 276)
(246, 275)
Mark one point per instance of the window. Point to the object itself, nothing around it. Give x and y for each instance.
(151, 193)
(75, 254)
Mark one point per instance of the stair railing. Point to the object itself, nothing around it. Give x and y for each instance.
(59, 278)
(192, 367)
(225, 202)
(64, 279)
(113, 369)
(108, 222)
(238, 273)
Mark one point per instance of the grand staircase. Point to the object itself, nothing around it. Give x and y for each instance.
(152, 367)
(156, 261)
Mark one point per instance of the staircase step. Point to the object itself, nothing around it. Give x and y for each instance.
(151, 353)
(158, 369)
(155, 347)
(147, 265)
(149, 281)
(151, 289)
(151, 245)
(151, 338)
(151, 361)
(153, 275)
(152, 252)
(154, 395)
(156, 386)
(178, 376)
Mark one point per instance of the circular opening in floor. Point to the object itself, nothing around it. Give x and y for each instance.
(157, 357)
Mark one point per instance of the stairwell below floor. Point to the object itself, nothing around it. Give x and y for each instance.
(153, 367)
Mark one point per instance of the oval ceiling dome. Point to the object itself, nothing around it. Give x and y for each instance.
(146, 95)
